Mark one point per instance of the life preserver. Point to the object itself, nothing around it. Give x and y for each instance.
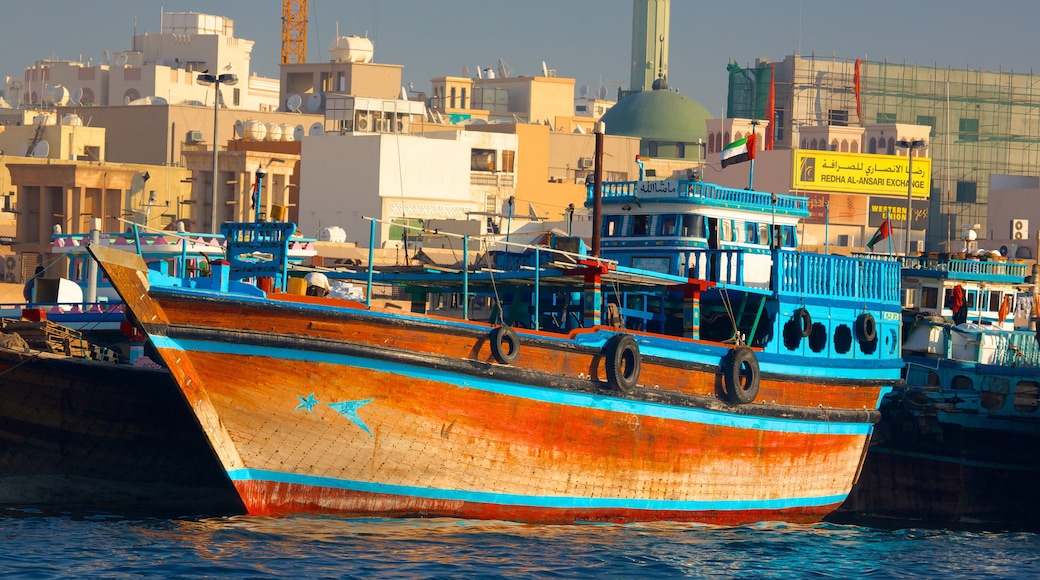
(804, 320)
(740, 373)
(505, 345)
(622, 360)
(866, 328)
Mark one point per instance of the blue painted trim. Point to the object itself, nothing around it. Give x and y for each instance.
(552, 396)
(548, 502)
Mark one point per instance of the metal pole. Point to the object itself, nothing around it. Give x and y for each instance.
(909, 192)
(213, 193)
(597, 187)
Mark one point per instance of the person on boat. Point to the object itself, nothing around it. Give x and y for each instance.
(639, 162)
(317, 284)
(30, 285)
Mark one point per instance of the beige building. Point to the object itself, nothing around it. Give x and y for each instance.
(159, 68)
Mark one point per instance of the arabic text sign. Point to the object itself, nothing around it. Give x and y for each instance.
(860, 173)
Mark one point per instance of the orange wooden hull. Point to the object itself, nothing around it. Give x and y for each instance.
(324, 409)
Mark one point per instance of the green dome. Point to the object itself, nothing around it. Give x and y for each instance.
(660, 115)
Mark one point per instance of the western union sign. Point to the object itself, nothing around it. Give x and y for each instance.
(860, 173)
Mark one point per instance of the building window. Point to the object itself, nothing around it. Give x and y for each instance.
(838, 118)
(580, 108)
(886, 117)
(640, 225)
(969, 130)
(966, 191)
(872, 145)
(508, 158)
(854, 147)
(680, 150)
(928, 120)
(651, 149)
(778, 125)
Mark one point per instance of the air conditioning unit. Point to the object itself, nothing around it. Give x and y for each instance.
(362, 122)
(194, 136)
(584, 162)
(384, 126)
(1019, 229)
(919, 246)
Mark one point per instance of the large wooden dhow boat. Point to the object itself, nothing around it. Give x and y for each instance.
(957, 444)
(693, 372)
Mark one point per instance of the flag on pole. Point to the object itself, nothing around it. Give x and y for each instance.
(739, 151)
(883, 232)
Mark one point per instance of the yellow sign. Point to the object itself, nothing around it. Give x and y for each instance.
(860, 173)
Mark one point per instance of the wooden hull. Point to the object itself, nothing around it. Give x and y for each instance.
(83, 435)
(318, 408)
(925, 468)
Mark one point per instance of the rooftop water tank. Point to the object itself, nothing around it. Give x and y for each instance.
(72, 119)
(274, 132)
(254, 131)
(287, 132)
(351, 49)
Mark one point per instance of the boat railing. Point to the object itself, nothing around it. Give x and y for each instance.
(994, 270)
(829, 275)
(702, 191)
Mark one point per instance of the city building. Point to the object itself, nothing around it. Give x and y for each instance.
(980, 122)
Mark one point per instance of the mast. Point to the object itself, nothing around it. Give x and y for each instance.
(597, 187)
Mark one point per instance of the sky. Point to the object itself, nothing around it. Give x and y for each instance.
(588, 40)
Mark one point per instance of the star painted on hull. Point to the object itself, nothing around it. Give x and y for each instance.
(349, 410)
(307, 403)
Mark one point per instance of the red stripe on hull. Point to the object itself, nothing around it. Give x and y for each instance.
(267, 498)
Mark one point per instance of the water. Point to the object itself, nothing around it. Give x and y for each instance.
(317, 547)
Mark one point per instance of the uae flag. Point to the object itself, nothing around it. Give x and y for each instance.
(739, 151)
(882, 232)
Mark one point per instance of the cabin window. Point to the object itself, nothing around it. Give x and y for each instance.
(763, 234)
(933, 379)
(727, 230)
(668, 224)
(929, 297)
(640, 225)
(693, 226)
(994, 301)
(611, 226)
(970, 298)
(962, 383)
(751, 232)
(789, 237)
(1026, 393)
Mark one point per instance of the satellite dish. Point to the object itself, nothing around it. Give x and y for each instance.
(16, 85)
(121, 59)
(239, 128)
(465, 72)
(584, 91)
(316, 130)
(298, 133)
(603, 93)
(314, 102)
(43, 149)
(504, 70)
(294, 102)
(15, 102)
(76, 95)
(105, 53)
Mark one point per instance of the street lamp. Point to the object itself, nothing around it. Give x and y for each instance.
(909, 146)
(208, 79)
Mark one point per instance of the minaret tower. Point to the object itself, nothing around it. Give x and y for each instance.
(650, 19)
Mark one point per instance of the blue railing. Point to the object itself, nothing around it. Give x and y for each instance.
(829, 275)
(259, 249)
(703, 192)
(965, 269)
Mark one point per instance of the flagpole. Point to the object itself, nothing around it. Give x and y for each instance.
(751, 153)
(888, 218)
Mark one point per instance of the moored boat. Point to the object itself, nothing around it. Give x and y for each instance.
(688, 373)
(87, 432)
(957, 444)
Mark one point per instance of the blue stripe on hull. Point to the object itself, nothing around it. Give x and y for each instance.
(551, 396)
(549, 502)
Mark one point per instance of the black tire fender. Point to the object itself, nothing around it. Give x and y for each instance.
(804, 320)
(740, 373)
(505, 345)
(623, 362)
(866, 328)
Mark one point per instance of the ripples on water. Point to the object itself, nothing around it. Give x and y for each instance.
(317, 547)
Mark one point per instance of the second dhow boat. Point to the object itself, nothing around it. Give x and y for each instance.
(744, 394)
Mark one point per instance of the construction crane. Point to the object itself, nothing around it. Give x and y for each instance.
(294, 31)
